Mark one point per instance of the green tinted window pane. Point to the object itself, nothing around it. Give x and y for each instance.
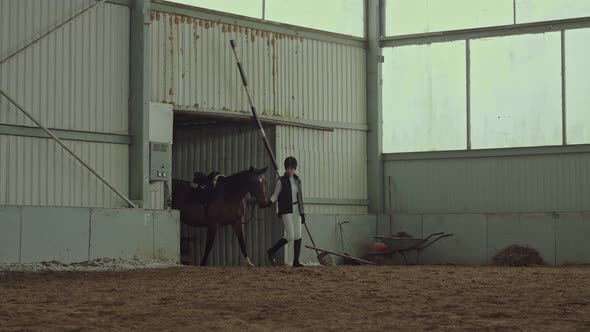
(516, 91)
(424, 98)
(251, 8)
(546, 10)
(340, 16)
(577, 86)
(420, 16)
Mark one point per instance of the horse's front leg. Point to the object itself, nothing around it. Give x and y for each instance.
(238, 230)
(211, 232)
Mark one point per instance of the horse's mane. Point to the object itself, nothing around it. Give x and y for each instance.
(236, 179)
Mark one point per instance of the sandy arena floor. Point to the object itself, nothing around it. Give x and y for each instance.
(313, 298)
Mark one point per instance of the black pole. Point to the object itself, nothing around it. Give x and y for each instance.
(253, 109)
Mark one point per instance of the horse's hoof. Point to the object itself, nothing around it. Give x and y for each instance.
(249, 262)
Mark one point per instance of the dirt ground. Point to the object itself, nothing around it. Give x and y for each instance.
(314, 298)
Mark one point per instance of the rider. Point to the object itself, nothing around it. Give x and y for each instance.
(290, 209)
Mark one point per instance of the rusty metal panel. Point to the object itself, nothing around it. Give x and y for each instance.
(74, 78)
(37, 171)
(290, 77)
(332, 165)
(228, 149)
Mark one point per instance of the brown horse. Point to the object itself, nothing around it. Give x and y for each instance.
(226, 206)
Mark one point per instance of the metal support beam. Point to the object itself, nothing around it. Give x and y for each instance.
(270, 120)
(497, 31)
(68, 150)
(139, 89)
(70, 135)
(374, 110)
(563, 92)
(486, 153)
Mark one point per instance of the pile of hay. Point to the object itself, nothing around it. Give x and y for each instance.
(516, 255)
(402, 235)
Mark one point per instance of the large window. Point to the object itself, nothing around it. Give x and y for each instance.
(516, 91)
(424, 98)
(341, 16)
(420, 16)
(577, 87)
(251, 8)
(545, 10)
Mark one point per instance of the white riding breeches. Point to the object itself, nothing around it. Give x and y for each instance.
(292, 225)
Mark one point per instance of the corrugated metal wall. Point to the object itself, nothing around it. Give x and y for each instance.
(74, 78)
(290, 77)
(37, 171)
(538, 183)
(332, 165)
(228, 149)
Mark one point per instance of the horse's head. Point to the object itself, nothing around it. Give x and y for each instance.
(257, 185)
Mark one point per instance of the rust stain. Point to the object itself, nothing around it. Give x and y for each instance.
(273, 42)
(230, 28)
(152, 15)
(241, 29)
(253, 38)
(182, 19)
(157, 16)
(201, 23)
(189, 21)
(176, 19)
(224, 28)
(246, 30)
(257, 33)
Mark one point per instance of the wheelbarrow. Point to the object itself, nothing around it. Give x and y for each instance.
(405, 245)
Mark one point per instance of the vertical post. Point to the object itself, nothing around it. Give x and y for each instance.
(563, 92)
(374, 112)
(468, 90)
(139, 89)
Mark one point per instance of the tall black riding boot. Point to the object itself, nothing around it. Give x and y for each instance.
(296, 254)
(272, 251)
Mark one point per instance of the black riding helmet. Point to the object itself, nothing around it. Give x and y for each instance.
(290, 162)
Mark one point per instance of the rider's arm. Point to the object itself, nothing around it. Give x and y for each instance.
(278, 189)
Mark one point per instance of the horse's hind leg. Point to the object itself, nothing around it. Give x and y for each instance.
(211, 232)
(238, 230)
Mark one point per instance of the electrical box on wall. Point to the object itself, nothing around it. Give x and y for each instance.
(161, 124)
(160, 161)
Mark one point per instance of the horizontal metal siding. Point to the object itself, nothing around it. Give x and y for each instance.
(228, 150)
(74, 78)
(290, 77)
(37, 171)
(537, 183)
(331, 164)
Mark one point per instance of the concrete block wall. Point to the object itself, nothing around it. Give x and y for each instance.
(560, 238)
(31, 234)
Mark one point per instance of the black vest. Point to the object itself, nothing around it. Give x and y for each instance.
(286, 199)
